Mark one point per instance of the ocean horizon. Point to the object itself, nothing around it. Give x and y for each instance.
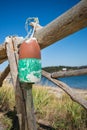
(79, 82)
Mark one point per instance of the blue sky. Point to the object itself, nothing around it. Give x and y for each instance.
(71, 51)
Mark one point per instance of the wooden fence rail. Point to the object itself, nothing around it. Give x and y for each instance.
(67, 89)
(4, 74)
(68, 23)
(3, 55)
(71, 21)
(61, 74)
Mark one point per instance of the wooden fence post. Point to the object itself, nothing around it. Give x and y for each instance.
(30, 118)
(30, 122)
(23, 92)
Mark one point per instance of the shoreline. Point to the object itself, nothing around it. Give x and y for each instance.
(59, 92)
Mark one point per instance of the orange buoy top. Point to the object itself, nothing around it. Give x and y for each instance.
(30, 49)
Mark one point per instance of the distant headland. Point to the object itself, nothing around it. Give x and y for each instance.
(51, 69)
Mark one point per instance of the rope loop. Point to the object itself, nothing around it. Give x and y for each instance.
(30, 30)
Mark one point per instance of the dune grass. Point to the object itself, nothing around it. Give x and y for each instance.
(7, 97)
(61, 113)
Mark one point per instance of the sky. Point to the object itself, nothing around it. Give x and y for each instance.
(70, 51)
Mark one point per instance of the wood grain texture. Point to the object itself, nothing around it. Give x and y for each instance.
(13, 70)
(4, 74)
(70, 22)
(68, 73)
(12, 61)
(19, 97)
(3, 55)
(28, 118)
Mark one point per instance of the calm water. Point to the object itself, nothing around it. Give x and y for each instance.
(74, 81)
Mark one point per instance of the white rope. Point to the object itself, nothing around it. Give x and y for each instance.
(30, 33)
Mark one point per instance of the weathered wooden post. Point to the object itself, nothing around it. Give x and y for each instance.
(13, 70)
(70, 22)
(29, 72)
(23, 91)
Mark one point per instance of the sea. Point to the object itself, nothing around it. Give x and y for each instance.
(79, 82)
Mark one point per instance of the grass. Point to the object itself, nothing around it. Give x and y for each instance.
(61, 113)
(7, 122)
(7, 97)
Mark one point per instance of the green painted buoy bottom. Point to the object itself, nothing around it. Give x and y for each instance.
(29, 70)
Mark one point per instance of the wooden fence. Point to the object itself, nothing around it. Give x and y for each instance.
(70, 22)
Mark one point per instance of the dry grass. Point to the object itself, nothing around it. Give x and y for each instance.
(7, 97)
(61, 113)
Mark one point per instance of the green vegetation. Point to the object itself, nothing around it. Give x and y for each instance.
(61, 113)
(7, 122)
(7, 103)
(59, 68)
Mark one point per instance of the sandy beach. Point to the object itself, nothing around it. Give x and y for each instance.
(59, 92)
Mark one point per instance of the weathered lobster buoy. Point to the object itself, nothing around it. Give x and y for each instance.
(29, 64)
